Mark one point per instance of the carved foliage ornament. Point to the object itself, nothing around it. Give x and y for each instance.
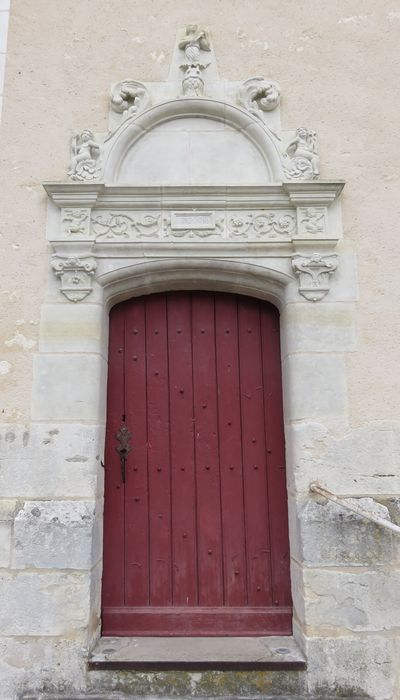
(258, 95)
(75, 276)
(268, 225)
(129, 97)
(111, 226)
(314, 274)
(102, 225)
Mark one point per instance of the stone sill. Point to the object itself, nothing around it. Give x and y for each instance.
(197, 654)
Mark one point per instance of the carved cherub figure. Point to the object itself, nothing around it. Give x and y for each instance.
(304, 145)
(195, 36)
(84, 150)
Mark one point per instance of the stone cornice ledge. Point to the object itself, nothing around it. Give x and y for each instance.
(115, 196)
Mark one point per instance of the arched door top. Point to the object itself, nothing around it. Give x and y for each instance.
(199, 141)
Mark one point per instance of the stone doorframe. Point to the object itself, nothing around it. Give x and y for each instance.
(275, 233)
(290, 269)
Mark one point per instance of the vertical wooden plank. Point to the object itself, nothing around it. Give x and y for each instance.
(114, 539)
(158, 451)
(230, 448)
(254, 454)
(136, 487)
(183, 485)
(275, 443)
(209, 536)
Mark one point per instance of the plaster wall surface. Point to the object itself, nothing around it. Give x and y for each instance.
(337, 65)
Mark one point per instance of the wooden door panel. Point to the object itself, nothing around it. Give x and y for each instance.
(196, 538)
(230, 453)
(205, 414)
(158, 450)
(254, 455)
(136, 486)
(275, 455)
(183, 478)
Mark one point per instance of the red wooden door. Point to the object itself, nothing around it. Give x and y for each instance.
(195, 536)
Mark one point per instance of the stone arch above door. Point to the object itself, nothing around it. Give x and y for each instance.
(192, 141)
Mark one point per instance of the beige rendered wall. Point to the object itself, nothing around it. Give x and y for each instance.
(337, 63)
(338, 67)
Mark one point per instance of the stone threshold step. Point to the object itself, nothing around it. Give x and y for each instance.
(179, 697)
(197, 654)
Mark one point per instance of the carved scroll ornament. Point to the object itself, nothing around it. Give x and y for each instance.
(121, 226)
(258, 95)
(129, 97)
(263, 225)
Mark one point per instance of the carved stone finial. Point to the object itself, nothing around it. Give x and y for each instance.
(129, 97)
(85, 161)
(75, 276)
(314, 274)
(258, 95)
(302, 156)
(195, 40)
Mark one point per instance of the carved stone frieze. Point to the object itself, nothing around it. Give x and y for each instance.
(75, 223)
(301, 161)
(269, 224)
(311, 222)
(117, 226)
(314, 274)
(75, 276)
(85, 164)
(258, 95)
(129, 97)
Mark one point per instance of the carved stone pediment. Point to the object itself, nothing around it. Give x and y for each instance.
(195, 166)
(137, 108)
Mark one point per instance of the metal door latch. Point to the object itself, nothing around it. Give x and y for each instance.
(123, 448)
